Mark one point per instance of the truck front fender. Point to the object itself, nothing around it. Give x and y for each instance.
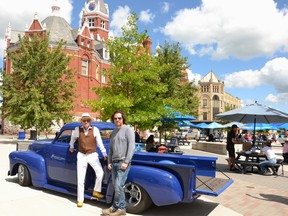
(162, 186)
(35, 164)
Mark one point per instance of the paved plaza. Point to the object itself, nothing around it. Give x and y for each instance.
(250, 194)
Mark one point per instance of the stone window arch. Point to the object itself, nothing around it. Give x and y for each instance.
(215, 105)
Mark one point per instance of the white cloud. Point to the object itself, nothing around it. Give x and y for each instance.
(193, 76)
(273, 73)
(225, 28)
(279, 98)
(146, 16)
(165, 7)
(243, 79)
(119, 19)
(12, 12)
(272, 98)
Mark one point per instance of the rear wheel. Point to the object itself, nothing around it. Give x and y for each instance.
(137, 199)
(24, 177)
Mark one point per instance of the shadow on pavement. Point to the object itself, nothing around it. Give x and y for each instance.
(198, 207)
(223, 168)
(272, 197)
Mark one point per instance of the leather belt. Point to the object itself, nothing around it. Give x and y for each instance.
(117, 161)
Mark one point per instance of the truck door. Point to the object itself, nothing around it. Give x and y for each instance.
(61, 163)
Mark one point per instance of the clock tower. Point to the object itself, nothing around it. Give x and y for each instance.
(96, 13)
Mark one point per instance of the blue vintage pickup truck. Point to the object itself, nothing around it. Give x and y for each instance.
(162, 179)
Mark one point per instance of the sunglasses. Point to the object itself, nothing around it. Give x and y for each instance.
(86, 120)
(119, 118)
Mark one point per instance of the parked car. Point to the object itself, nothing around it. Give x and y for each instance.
(162, 179)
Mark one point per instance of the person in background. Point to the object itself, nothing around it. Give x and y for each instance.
(162, 148)
(211, 137)
(150, 144)
(122, 147)
(231, 141)
(248, 136)
(271, 158)
(88, 138)
(137, 135)
(285, 151)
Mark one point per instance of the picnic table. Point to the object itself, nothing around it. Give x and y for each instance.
(251, 160)
(201, 138)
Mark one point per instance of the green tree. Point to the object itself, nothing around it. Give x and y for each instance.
(137, 83)
(181, 95)
(39, 89)
(133, 79)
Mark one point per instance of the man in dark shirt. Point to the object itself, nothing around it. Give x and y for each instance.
(231, 140)
(137, 135)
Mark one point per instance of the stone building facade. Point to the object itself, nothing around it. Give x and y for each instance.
(213, 98)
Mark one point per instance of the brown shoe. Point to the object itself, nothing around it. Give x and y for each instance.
(107, 211)
(118, 212)
(98, 195)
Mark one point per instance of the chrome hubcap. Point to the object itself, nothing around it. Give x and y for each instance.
(133, 194)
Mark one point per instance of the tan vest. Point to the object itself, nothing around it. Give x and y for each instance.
(87, 144)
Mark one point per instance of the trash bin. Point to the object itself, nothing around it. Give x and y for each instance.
(21, 135)
(33, 134)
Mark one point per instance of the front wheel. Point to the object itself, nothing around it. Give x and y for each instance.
(137, 199)
(24, 177)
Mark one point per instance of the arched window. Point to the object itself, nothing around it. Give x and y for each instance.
(216, 105)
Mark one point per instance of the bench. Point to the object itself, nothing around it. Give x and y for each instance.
(184, 142)
(201, 138)
(244, 165)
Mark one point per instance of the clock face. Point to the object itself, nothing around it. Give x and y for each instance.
(92, 6)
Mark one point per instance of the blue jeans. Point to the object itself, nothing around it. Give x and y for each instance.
(263, 164)
(118, 179)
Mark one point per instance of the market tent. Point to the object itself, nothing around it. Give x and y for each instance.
(214, 125)
(202, 125)
(255, 113)
(259, 126)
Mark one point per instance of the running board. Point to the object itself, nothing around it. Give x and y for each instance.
(71, 192)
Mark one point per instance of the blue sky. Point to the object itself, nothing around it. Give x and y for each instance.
(245, 42)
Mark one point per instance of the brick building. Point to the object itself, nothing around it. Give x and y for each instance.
(86, 45)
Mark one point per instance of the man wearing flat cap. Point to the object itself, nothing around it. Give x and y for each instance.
(231, 141)
(88, 138)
